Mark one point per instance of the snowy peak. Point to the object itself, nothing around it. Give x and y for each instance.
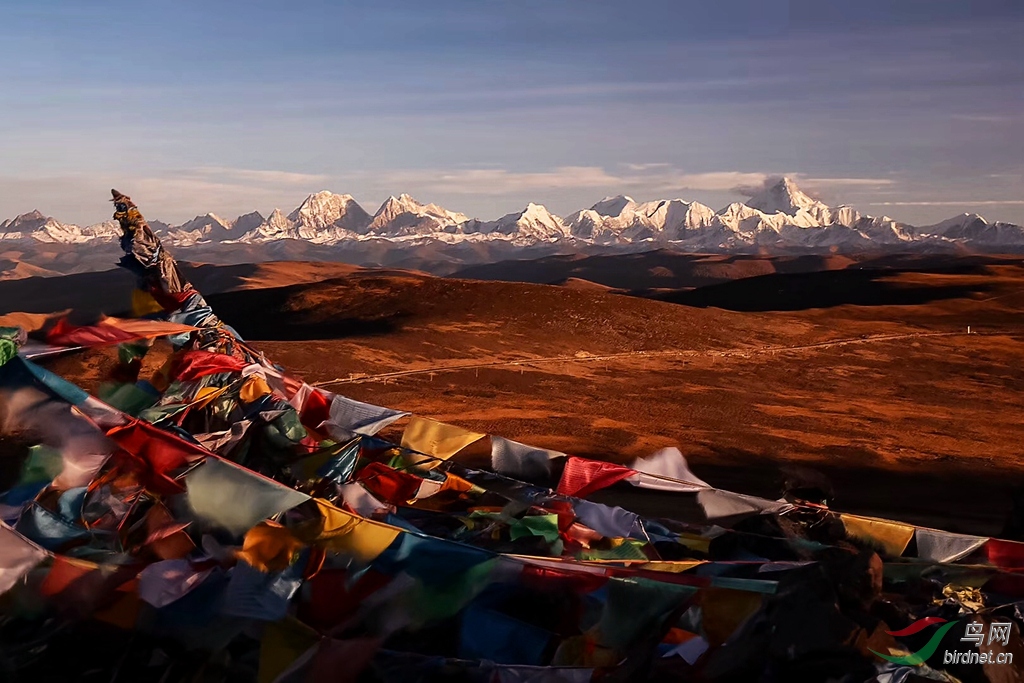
(206, 228)
(972, 228)
(275, 227)
(955, 223)
(26, 222)
(533, 223)
(107, 230)
(247, 222)
(277, 219)
(740, 211)
(55, 232)
(324, 210)
(612, 206)
(206, 224)
(783, 197)
(403, 215)
(659, 220)
(393, 207)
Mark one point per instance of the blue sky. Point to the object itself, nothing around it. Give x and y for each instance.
(910, 108)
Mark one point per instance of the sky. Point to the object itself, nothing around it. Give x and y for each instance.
(908, 108)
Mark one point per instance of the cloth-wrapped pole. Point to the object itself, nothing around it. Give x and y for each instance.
(160, 278)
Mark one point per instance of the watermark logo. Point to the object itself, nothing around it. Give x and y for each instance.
(918, 658)
(974, 632)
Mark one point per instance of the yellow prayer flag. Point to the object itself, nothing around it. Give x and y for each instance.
(344, 532)
(283, 642)
(695, 542)
(207, 394)
(144, 304)
(893, 537)
(269, 547)
(723, 610)
(437, 438)
(254, 389)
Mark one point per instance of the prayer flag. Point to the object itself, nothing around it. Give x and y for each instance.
(343, 532)
(162, 583)
(582, 476)
(349, 417)
(437, 439)
(18, 556)
(666, 470)
(236, 498)
(892, 537)
(520, 461)
(943, 546)
(270, 547)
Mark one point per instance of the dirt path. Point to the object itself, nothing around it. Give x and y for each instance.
(584, 358)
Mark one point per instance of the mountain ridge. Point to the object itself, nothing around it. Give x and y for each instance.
(780, 218)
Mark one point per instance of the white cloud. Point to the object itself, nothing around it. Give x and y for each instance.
(254, 176)
(498, 182)
(865, 182)
(647, 167)
(490, 181)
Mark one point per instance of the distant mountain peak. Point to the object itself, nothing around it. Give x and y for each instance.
(247, 222)
(205, 219)
(534, 222)
(404, 215)
(783, 196)
(612, 206)
(402, 202)
(325, 210)
(25, 222)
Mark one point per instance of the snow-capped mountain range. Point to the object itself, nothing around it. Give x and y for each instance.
(781, 217)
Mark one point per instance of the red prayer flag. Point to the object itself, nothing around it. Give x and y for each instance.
(390, 485)
(81, 587)
(66, 334)
(1008, 585)
(582, 477)
(316, 410)
(1005, 554)
(332, 598)
(110, 331)
(160, 450)
(195, 364)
